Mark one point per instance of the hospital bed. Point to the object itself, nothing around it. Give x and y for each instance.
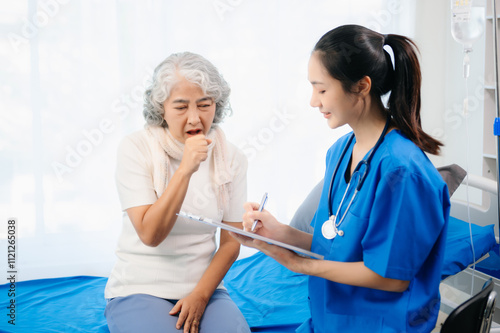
(272, 298)
(458, 287)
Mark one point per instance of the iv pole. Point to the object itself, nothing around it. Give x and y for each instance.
(496, 126)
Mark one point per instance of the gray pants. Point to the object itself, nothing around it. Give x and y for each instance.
(146, 313)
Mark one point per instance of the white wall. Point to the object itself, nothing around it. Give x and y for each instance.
(443, 89)
(89, 61)
(72, 68)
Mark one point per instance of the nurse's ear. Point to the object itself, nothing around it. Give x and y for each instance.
(363, 86)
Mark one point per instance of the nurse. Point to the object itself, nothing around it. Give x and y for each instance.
(382, 218)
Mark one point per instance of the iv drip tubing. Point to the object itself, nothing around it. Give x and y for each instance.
(466, 116)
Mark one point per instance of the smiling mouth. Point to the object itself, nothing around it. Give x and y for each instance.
(194, 132)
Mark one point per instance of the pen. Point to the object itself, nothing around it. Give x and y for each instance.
(261, 207)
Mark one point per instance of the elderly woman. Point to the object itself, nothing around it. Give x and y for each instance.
(168, 276)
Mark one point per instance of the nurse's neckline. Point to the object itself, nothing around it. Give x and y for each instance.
(347, 171)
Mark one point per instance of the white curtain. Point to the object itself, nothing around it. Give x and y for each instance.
(72, 78)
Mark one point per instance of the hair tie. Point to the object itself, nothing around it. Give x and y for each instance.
(389, 52)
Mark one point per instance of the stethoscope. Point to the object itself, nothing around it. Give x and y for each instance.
(330, 228)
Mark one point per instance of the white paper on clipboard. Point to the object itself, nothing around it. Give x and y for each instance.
(249, 234)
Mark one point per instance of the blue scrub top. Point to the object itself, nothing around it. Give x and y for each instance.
(397, 227)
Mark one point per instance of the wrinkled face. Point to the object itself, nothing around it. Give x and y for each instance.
(328, 95)
(188, 110)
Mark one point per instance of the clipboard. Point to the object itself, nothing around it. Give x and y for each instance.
(224, 226)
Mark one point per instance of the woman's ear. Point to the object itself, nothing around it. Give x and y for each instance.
(363, 86)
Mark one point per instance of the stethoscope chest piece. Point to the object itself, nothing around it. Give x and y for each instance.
(329, 229)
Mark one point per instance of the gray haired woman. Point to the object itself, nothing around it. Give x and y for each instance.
(168, 274)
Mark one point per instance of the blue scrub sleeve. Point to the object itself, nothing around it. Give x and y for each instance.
(408, 216)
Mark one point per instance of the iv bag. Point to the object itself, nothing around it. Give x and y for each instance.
(467, 21)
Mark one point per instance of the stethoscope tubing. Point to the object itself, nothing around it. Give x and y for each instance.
(366, 162)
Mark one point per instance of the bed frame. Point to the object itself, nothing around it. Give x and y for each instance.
(459, 287)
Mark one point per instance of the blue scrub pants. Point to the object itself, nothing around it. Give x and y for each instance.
(146, 313)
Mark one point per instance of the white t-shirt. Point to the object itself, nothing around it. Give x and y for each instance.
(173, 268)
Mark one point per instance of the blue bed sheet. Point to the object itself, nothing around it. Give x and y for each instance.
(70, 304)
(272, 298)
(458, 253)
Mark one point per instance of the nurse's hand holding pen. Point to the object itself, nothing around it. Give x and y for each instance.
(271, 228)
(268, 226)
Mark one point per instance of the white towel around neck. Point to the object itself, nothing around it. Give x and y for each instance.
(165, 146)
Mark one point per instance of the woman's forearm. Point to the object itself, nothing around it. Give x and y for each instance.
(221, 262)
(295, 237)
(352, 273)
(301, 239)
(154, 222)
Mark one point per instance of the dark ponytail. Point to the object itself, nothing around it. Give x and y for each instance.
(351, 52)
(404, 101)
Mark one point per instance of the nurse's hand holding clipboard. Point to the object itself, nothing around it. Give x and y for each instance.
(352, 273)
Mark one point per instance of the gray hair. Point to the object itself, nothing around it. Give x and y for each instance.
(193, 68)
